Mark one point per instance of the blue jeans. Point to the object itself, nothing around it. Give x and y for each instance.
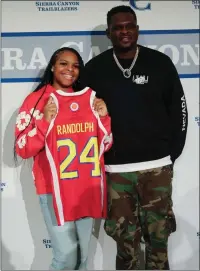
(65, 239)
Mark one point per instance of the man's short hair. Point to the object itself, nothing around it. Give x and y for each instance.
(119, 9)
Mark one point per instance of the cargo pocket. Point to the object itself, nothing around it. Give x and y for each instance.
(171, 222)
(110, 227)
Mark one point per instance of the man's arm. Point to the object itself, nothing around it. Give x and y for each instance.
(177, 110)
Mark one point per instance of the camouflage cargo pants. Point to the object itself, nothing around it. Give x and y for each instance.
(139, 204)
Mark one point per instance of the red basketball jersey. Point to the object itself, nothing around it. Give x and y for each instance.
(75, 143)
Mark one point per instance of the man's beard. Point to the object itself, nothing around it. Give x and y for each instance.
(120, 49)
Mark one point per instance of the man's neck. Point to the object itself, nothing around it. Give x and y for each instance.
(126, 54)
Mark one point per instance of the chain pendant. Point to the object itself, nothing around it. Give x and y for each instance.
(127, 73)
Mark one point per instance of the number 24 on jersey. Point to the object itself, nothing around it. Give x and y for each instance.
(83, 158)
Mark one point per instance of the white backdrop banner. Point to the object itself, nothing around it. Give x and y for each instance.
(31, 32)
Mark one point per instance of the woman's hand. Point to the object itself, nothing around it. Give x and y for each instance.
(100, 107)
(50, 110)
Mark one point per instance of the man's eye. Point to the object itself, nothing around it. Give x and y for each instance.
(131, 26)
(116, 28)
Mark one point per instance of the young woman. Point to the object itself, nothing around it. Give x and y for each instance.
(66, 130)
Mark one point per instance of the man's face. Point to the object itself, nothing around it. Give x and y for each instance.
(123, 31)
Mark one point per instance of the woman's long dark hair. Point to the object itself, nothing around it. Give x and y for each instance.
(47, 79)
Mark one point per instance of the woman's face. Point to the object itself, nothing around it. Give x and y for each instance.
(65, 70)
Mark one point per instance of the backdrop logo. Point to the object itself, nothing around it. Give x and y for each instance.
(134, 4)
(2, 185)
(26, 56)
(57, 5)
(197, 119)
(196, 3)
(47, 243)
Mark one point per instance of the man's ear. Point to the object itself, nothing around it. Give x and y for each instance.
(108, 33)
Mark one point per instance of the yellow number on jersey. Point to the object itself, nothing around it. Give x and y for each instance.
(72, 154)
(84, 157)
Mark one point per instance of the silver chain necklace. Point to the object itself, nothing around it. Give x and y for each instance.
(126, 72)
